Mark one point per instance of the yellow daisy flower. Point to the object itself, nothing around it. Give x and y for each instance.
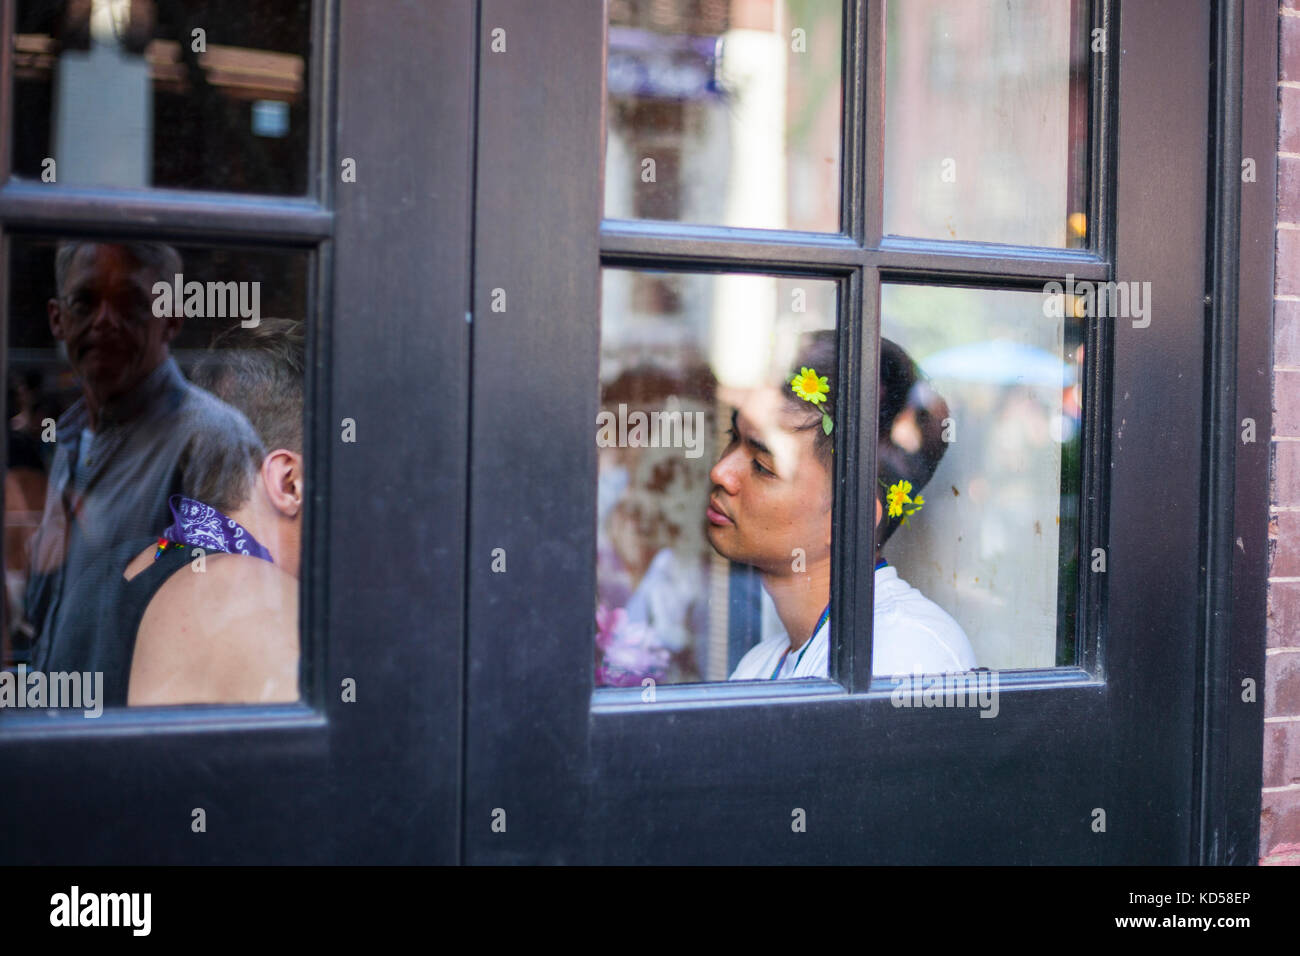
(898, 496)
(809, 386)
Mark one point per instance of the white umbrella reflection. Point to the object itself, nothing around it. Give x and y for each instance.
(1000, 362)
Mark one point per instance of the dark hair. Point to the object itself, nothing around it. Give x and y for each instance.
(260, 372)
(903, 390)
(818, 352)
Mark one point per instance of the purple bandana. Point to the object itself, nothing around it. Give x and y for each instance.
(205, 527)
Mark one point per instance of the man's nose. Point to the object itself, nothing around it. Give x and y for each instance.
(104, 315)
(724, 472)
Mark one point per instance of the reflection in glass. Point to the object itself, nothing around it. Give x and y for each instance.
(996, 543)
(725, 113)
(691, 523)
(201, 94)
(911, 633)
(986, 131)
(152, 544)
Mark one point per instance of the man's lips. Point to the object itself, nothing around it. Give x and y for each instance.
(108, 349)
(716, 515)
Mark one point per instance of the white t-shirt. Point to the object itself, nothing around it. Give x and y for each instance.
(913, 635)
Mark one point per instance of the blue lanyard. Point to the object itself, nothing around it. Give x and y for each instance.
(881, 563)
(820, 621)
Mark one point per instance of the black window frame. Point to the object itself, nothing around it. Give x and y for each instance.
(484, 701)
(320, 780)
(860, 258)
(681, 779)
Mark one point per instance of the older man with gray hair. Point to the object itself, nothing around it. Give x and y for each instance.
(122, 447)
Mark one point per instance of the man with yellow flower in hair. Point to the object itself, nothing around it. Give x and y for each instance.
(770, 507)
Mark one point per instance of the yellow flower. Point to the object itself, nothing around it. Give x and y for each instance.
(809, 386)
(898, 496)
(917, 502)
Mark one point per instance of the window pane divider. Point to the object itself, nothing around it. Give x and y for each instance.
(947, 261)
(164, 214)
(157, 722)
(627, 242)
(676, 697)
(610, 700)
(870, 35)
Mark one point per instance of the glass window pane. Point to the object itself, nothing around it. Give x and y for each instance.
(981, 399)
(712, 550)
(154, 492)
(725, 113)
(209, 94)
(986, 132)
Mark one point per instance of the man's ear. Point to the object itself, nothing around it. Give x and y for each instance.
(283, 479)
(172, 328)
(55, 314)
(879, 511)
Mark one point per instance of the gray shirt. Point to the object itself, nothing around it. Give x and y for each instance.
(117, 492)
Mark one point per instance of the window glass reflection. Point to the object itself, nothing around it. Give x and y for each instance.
(725, 113)
(986, 128)
(156, 451)
(996, 541)
(912, 634)
(710, 541)
(201, 94)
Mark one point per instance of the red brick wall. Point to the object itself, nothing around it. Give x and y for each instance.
(1279, 831)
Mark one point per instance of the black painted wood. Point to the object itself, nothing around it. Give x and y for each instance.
(713, 774)
(1231, 825)
(475, 686)
(394, 566)
(657, 244)
(868, 89)
(377, 780)
(168, 214)
(1221, 439)
(852, 532)
(1142, 748)
(945, 261)
(532, 452)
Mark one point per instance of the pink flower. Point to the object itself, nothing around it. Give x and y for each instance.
(631, 652)
(608, 620)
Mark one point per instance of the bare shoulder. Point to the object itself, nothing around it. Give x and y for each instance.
(220, 576)
(224, 630)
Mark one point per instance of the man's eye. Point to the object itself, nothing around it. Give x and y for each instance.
(760, 469)
(733, 436)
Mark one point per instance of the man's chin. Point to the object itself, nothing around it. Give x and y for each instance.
(109, 381)
(719, 540)
(710, 532)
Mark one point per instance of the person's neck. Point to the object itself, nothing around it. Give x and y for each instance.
(261, 524)
(800, 597)
(93, 405)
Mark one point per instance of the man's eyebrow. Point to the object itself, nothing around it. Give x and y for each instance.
(750, 441)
